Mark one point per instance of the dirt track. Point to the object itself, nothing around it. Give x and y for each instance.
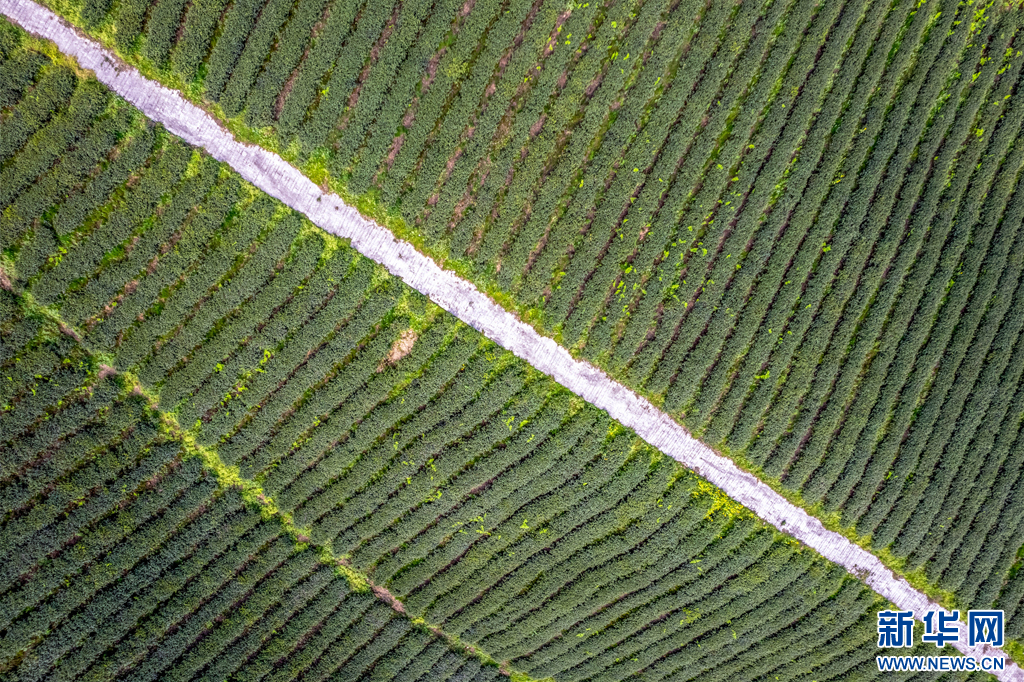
(276, 177)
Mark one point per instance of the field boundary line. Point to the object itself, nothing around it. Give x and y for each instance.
(275, 176)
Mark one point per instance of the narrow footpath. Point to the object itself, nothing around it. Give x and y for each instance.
(276, 177)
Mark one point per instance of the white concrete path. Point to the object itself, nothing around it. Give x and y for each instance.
(279, 179)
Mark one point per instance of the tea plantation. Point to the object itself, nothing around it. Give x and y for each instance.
(232, 448)
(235, 449)
(794, 225)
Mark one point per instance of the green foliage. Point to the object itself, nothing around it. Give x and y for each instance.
(257, 43)
(160, 29)
(192, 48)
(233, 29)
(793, 224)
(52, 89)
(308, 86)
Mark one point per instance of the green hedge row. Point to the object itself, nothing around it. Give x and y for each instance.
(404, 36)
(345, 73)
(489, 19)
(316, 66)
